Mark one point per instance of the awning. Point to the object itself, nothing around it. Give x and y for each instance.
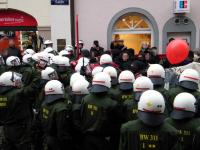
(15, 20)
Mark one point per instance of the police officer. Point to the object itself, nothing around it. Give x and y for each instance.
(55, 117)
(156, 73)
(140, 85)
(79, 91)
(63, 68)
(48, 43)
(149, 131)
(188, 82)
(182, 118)
(126, 80)
(37, 132)
(70, 50)
(16, 114)
(97, 111)
(114, 90)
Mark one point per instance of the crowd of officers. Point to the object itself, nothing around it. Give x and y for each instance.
(46, 104)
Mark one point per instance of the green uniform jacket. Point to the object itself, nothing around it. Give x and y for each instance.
(137, 136)
(56, 122)
(186, 131)
(98, 115)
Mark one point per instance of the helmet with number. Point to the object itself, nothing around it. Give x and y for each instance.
(156, 73)
(151, 108)
(75, 77)
(105, 59)
(49, 74)
(2, 62)
(141, 85)
(83, 60)
(48, 42)
(29, 51)
(97, 70)
(189, 79)
(13, 61)
(26, 59)
(112, 72)
(184, 106)
(64, 53)
(54, 90)
(10, 79)
(101, 83)
(126, 80)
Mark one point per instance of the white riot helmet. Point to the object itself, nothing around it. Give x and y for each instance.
(83, 60)
(189, 79)
(49, 50)
(2, 62)
(49, 74)
(48, 42)
(105, 59)
(151, 108)
(141, 85)
(54, 90)
(10, 79)
(101, 83)
(43, 59)
(126, 80)
(156, 73)
(184, 106)
(26, 59)
(80, 89)
(75, 77)
(12, 61)
(61, 63)
(112, 72)
(97, 70)
(29, 51)
(64, 53)
(69, 48)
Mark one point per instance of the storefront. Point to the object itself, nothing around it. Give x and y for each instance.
(19, 26)
(136, 22)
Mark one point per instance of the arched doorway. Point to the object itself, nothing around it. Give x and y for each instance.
(134, 26)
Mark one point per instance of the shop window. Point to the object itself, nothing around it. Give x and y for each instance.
(133, 29)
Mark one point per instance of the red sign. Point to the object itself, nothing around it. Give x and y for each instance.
(12, 17)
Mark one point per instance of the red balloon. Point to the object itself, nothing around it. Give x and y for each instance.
(177, 51)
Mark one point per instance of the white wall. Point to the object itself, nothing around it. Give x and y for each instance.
(60, 24)
(95, 15)
(40, 9)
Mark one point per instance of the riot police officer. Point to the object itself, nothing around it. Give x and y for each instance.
(16, 114)
(55, 117)
(13, 64)
(156, 73)
(188, 82)
(97, 111)
(149, 131)
(182, 118)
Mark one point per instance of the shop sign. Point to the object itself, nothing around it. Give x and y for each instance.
(59, 2)
(16, 18)
(181, 6)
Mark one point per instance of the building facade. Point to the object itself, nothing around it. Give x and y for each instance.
(137, 21)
